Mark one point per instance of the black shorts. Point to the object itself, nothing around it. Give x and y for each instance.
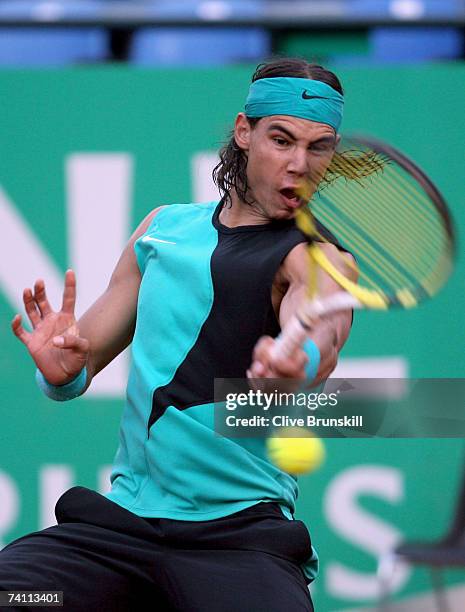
(105, 558)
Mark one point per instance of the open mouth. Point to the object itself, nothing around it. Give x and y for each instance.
(293, 200)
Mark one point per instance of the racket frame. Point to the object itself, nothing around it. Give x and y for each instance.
(353, 295)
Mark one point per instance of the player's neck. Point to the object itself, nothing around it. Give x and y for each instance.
(240, 213)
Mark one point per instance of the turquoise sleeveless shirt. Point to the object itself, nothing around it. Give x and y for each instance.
(199, 281)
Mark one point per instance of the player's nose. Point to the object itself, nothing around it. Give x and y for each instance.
(298, 162)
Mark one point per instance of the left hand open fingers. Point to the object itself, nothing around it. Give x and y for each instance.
(69, 293)
(40, 298)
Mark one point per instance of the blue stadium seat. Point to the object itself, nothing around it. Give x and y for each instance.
(403, 8)
(198, 46)
(415, 44)
(52, 47)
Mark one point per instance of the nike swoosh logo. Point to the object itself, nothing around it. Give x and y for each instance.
(150, 239)
(305, 96)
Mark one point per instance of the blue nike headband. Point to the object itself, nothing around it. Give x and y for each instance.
(304, 98)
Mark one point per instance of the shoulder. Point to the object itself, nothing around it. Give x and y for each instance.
(172, 212)
(146, 223)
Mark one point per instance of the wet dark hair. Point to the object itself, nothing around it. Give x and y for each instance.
(231, 171)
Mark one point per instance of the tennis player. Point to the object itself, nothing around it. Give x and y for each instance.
(194, 522)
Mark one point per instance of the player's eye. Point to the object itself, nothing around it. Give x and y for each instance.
(320, 147)
(281, 142)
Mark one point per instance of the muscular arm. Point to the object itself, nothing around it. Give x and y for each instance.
(110, 322)
(59, 345)
(329, 333)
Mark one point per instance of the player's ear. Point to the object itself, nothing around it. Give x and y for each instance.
(338, 139)
(242, 131)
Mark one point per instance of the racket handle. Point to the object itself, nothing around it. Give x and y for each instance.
(295, 332)
(291, 338)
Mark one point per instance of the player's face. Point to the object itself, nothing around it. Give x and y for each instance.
(285, 154)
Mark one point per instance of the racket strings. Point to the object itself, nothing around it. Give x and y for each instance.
(404, 183)
(441, 271)
(417, 240)
(394, 182)
(384, 231)
(305, 222)
(332, 222)
(378, 267)
(406, 233)
(354, 165)
(350, 165)
(387, 221)
(373, 269)
(411, 208)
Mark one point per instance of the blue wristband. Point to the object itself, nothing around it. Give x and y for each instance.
(62, 393)
(313, 353)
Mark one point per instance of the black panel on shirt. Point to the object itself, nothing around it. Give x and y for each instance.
(243, 267)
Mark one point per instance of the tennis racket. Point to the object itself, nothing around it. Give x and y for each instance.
(385, 211)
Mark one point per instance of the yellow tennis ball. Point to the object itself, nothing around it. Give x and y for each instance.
(296, 455)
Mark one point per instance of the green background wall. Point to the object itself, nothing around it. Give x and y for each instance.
(161, 119)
